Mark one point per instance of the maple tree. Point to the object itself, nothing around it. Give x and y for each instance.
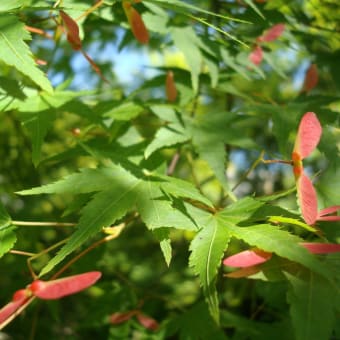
(132, 171)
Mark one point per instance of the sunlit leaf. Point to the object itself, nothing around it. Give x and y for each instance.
(14, 51)
(186, 41)
(5, 219)
(207, 250)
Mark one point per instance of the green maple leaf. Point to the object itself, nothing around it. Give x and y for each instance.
(312, 306)
(38, 113)
(210, 133)
(207, 250)
(117, 191)
(169, 135)
(14, 51)
(7, 239)
(5, 219)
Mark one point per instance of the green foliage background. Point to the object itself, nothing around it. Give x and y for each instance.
(176, 174)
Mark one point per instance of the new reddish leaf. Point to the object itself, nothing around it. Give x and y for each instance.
(119, 317)
(136, 23)
(170, 87)
(311, 78)
(72, 31)
(56, 289)
(256, 55)
(307, 199)
(247, 258)
(272, 34)
(94, 66)
(147, 321)
(308, 135)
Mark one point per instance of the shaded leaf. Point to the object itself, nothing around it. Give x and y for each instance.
(5, 219)
(162, 235)
(311, 306)
(7, 240)
(197, 323)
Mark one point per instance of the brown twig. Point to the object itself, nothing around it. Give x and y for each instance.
(43, 224)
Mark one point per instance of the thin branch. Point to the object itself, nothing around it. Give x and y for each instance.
(90, 10)
(252, 167)
(34, 276)
(270, 161)
(173, 163)
(38, 31)
(43, 224)
(117, 230)
(23, 253)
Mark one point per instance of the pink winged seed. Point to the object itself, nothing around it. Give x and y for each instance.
(272, 34)
(237, 260)
(322, 215)
(59, 288)
(308, 135)
(11, 307)
(147, 321)
(321, 248)
(247, 258)
(307, 199)
(256, 55)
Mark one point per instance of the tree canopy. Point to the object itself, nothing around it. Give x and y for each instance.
(176, 163)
